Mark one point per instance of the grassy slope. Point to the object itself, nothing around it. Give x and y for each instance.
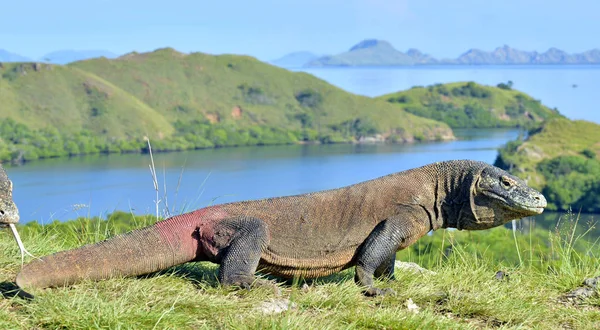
(141, 94)
(556, 137)
(63, 97)
(189, 86)
(423, 101)
(462, 295)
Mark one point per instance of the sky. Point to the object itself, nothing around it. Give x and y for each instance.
(269, 29)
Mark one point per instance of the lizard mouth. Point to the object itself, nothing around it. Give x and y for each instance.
(536, 208)
(533, 209)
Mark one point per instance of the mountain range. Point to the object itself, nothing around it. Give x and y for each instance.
(369, 52)
(295, 59)
(57, 57)
(6, 56)
(373, 52)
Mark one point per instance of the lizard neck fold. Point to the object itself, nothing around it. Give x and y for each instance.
(455, 188)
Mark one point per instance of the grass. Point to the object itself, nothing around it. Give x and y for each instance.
(463, 294)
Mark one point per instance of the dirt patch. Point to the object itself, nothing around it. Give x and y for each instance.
(213, 117)
(236, 112)
(95, 88)
(478, 321)
(504, 117)
(532, 152)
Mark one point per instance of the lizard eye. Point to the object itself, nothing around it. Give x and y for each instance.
(505, 182)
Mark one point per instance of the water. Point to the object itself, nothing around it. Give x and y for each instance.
(552, 84)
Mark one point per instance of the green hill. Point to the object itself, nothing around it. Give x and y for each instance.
(184, 102)
(561, 158)
(41, 95)
(471, 105)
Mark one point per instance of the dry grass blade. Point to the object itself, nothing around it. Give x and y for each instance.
(24, 251)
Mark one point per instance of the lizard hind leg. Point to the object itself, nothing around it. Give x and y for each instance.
(240, 258)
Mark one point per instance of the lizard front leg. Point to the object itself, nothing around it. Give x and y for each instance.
(385, 271)
(377, 254)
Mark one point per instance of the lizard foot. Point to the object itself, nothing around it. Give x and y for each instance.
(249, 283)
(375, 292)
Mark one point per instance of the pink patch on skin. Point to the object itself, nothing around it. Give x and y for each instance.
(179, 231)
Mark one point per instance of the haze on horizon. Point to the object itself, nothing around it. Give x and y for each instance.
(268, 29)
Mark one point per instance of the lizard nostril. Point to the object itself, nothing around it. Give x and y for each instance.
(1, 212)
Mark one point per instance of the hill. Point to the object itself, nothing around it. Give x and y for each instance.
(561, 158)
(471, 105)
(184, 102)
(67, 98)
(6, 56)
(368, 52)
(295, 59)
(68, 55)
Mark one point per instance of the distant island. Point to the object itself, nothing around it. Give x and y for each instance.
(373, 52)
(6, 56)
(295, 59)
(65, 56)
(369, 52)
(69, 56)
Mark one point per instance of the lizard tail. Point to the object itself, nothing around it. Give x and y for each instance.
(160, 246)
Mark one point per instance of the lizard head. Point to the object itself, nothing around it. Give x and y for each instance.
(8, 210)
(498, 197)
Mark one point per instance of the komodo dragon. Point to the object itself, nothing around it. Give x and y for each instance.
(9, 213)
(309, 235)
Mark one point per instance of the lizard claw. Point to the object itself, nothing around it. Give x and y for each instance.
(247, 284)
(375, 292)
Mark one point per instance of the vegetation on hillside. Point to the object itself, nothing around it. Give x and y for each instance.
(184, 102)
(471, 105)
(561, 158)
(464, 293)
(18, 143)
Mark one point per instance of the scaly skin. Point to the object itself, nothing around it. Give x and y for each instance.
(8, 210)
(310, 235)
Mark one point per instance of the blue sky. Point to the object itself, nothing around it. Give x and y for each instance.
(269, 29)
